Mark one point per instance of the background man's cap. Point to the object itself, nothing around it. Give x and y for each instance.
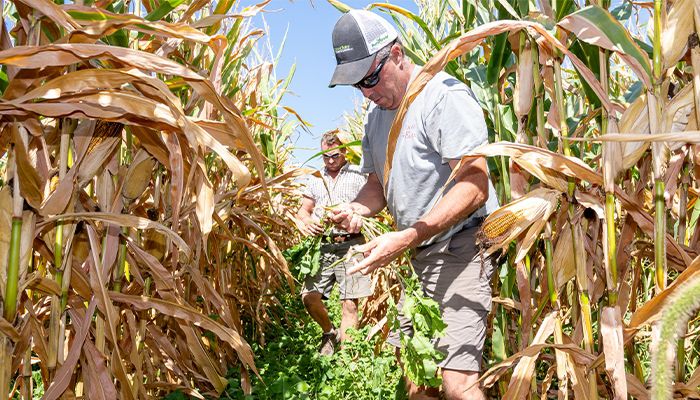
(357, 37)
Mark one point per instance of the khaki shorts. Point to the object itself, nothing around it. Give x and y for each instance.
(353, 286)
(451, 273)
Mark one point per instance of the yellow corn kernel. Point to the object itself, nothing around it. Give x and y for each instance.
(498, 226)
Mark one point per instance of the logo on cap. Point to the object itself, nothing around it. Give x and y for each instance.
(342, 49)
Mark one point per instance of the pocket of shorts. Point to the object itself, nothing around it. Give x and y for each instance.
(457, 242)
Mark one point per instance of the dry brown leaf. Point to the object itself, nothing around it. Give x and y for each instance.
(99, 288)
(613, 344)
(579, 355)
(676, 31)
(562, 260)
(5, 230)
(649, 312)
(102, 386)
(635, 119)
(54, 12)
(519, 385)
(30, 184)
(65, 54)
(205, 204)
(64, 373)
(121, 220)
(8, 330)
(189, 314)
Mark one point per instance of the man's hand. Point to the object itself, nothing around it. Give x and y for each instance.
(312, 228)
(383, 250)
(346, 218)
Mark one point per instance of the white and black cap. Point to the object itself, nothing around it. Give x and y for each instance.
(357, 37)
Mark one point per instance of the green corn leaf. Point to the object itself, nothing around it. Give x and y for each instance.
(524, 7)
(469, 12)
(590, 56)
(508, 8)
(413, 17)
(340, 6)
(598, 27)
(499, 55)
(163, 9)
(3, 81)
(563, 8)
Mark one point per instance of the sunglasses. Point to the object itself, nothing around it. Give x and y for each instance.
(372, 80)
(329, 156)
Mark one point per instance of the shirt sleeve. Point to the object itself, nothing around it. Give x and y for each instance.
(308, 190)
(456, 124)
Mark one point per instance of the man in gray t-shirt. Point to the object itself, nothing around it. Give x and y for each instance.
(443, 124)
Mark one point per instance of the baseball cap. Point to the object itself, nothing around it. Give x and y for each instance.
(357, 37)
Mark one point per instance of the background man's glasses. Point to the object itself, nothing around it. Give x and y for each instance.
(329, 156)
(372, 80)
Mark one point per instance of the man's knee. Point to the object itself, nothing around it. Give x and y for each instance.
(311, 298)
(349, 306)
(461, 385)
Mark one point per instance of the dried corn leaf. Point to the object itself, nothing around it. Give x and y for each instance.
(634, 120)
(538, 158)
(54, 12)
(8, 330)
(65, 54)
(676, 31)
(100, 385)
(492, 375)
(58, 200)
(5, 230)
(100, 22)
(519, 385)
(121, 220)
(64, 373)
(204, 204)
(676, 113)
(613, 344)
(30, 184)
(650, 311)
(189, 314)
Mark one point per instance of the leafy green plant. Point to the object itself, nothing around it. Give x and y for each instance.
(291, 368)
(306, 255)
(418, 353)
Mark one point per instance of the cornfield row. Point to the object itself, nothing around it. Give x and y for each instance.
(147, 195)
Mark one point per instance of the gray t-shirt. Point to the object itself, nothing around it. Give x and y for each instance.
(443, 123)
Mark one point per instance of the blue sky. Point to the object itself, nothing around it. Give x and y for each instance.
(308, 44)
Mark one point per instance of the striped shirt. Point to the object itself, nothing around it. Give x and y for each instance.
(342, 189)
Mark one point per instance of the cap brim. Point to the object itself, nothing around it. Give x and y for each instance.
(352, 72)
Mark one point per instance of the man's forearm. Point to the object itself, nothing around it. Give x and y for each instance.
(370, 200)
(468, 194)
(457, 204)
